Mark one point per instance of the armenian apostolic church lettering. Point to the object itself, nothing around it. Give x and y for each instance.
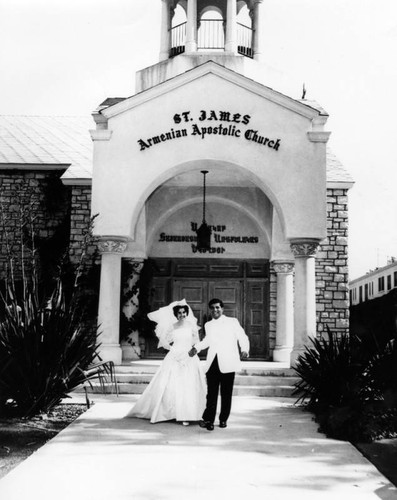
(223, 123)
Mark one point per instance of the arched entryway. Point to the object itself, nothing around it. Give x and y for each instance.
(236, 266)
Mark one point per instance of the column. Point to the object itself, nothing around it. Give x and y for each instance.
(285, 312)
(165, 36)
(231, 27)
(112, 250)
(305, 294)
(191, 26)
(258, 27)
(130, 346)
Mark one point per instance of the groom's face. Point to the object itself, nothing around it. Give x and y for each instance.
(216, 311)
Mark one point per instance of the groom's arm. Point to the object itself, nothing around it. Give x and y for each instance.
(243, 339)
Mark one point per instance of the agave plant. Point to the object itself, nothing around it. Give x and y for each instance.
(331, 372)
(44, 351)
(46, 343)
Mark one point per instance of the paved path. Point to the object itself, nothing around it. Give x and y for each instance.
(270, 450)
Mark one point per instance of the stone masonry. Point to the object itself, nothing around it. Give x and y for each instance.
(332, 268)
(32, 203)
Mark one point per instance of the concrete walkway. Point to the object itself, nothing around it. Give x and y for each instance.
(270, 450)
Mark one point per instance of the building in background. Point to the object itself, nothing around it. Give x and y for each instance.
(374, 283)
(373, 303)
(224, 184)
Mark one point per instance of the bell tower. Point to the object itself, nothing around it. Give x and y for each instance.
(228, 32)
(234, 30)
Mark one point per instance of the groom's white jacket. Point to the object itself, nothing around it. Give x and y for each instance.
(222, 337)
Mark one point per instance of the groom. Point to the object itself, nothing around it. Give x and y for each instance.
(223, 334)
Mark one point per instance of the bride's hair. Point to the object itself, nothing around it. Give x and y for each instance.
(176, 309)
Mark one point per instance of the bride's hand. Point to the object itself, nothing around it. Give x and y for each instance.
(192, 352)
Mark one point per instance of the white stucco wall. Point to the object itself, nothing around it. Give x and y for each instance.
(127, 172)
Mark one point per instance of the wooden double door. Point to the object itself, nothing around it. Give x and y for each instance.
(245, 297)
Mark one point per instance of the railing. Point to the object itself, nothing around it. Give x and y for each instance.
(244, 40)
(178, 39)
(211, 36)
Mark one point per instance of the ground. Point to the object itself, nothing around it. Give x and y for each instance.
(19, 438)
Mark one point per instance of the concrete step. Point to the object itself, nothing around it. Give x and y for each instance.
(247, 380)
(239, 390)
(255, 379)
(247, 368)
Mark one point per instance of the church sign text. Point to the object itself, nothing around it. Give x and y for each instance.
(218, 238)
(211, 123)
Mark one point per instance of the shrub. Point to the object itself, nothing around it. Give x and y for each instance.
(43, 352)
(331, 372)
(351, 386)
(46, 339)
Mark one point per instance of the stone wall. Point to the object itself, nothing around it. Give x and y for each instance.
(80, 216)
(33, 203)
(332, 278)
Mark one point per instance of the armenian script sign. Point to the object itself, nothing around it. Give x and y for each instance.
(218, 238)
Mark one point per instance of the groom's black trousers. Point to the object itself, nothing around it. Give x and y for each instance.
(216, 379)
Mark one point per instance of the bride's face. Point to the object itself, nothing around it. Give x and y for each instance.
(181, 314)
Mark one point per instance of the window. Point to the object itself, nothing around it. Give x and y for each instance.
(381, 284)
(360, 291)
(366, 292)
(395, 278)
(389, 282)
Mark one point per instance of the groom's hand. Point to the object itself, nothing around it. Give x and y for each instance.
(192, 352)
(244, 355)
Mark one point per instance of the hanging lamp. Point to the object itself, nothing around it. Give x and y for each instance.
(204, 231)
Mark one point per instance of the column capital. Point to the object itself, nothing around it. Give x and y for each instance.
(304, 247)
(283, 267)
(136, 263)
(112, 244)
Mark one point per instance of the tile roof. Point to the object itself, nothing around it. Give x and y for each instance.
(336, 172)
(47, 140)
(65, 141)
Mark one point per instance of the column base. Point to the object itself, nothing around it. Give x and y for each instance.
(282, 354)
(130, 352)
(110, 352)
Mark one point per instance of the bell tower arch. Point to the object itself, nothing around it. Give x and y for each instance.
(228, 35)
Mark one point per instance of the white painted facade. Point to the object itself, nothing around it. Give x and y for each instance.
(265, 154)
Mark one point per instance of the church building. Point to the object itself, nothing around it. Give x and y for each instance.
(225, 184)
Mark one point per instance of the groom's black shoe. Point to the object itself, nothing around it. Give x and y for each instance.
(206, 425)
(222, 425)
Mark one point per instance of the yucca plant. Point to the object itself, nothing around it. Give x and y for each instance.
(44, 352)
(46, 343)
(331, 372)
(351, 386)
(382, 374)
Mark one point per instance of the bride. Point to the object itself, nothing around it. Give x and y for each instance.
(178, 389)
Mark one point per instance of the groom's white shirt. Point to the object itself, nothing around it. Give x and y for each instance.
(221, 338)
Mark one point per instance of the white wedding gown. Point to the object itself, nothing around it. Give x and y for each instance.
(178, 388)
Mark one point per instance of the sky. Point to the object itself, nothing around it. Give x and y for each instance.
(64, 57)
